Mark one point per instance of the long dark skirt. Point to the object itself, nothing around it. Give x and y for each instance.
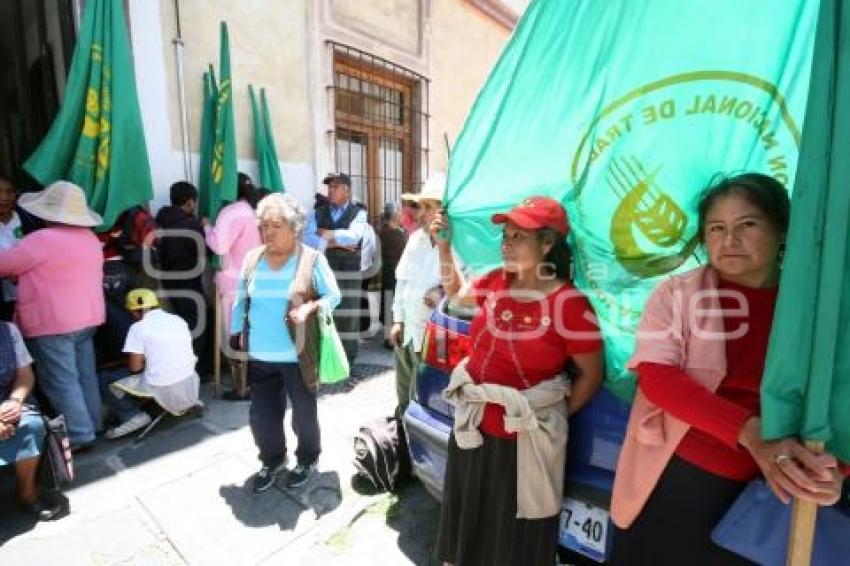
(478, 523)
(675, 525)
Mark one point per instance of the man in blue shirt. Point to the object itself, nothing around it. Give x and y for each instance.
(337, 228)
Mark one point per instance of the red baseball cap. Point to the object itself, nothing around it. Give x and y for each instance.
(536, 212)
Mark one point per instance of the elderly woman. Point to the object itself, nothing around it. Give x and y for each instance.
(234, 234)
(282, 287)
(504, 476)
(60, 302)
(21, 428)
(693, 439)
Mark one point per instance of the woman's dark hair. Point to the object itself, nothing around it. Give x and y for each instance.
(245, 189)
(762, 191)
(559, 257)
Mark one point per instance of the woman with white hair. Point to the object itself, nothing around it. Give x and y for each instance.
(282, 287)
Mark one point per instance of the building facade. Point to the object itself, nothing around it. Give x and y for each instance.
(377, 89)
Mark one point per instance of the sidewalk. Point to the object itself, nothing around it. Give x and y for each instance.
(183, 496)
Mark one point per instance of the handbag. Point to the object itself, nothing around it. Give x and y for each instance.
(333, 364)
(58, 460)
(757, 526)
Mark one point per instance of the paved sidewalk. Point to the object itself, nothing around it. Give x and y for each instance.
(183, 496)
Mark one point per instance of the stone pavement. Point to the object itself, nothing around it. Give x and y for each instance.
(183, 496)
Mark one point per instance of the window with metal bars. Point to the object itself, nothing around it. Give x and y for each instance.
(380, 129)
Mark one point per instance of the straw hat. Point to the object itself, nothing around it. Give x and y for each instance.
(434, 189)
(62, 202)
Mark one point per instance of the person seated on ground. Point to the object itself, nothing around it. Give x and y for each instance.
(161, 366)
(21, 427)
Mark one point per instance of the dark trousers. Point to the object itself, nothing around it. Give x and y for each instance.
(347, 314)
(271, 383)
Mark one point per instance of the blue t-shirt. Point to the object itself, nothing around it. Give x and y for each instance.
(269, 339)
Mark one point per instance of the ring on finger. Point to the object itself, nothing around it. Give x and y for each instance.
(779, 458)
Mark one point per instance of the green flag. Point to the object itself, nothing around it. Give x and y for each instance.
(806, 387)
(264, 143)
(272, 179)
(97, 140)
(207, 144)
(222, 171)
(624, 110)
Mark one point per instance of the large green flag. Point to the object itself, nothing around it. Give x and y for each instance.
(806, 388)
(273, 179)
(97, 140)
(624, 111)
(207, 145)
(264, 147)
(222, 171)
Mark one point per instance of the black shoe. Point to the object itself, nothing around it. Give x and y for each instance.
(265, 478)
(300, 475)
(47, 510)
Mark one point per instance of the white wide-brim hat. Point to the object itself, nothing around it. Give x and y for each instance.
(434, 189)
(62, 202)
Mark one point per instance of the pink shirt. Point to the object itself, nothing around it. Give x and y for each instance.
(60, 280)
(235, 232)
(677, 329)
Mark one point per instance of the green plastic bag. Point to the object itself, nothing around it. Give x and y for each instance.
(333, 364)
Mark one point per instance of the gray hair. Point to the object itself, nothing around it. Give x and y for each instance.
(390, 209)
(284, 207)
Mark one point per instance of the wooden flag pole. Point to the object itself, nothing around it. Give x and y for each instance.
(803, 516)
(217, 348)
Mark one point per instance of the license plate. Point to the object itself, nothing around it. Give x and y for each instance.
(584, 528)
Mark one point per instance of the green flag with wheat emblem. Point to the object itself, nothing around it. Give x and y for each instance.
(624, 111)
(97, 140)
(220, 178)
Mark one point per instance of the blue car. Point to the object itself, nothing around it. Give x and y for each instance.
(596, 434)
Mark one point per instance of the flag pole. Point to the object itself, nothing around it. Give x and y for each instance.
(217, 347)
(803, 517)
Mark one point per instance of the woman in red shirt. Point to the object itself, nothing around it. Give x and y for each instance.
(531, 324)
(743, 221)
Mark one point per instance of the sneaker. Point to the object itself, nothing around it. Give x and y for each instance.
(131, 425)
(299, 475)
(265, 478)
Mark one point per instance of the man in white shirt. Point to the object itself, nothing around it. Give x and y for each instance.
(10, 235)
(161, 363)
(417, 290)
(337, 229)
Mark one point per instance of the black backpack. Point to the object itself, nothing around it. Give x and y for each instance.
(380, 453)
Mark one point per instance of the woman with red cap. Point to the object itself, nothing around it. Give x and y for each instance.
(535, 358)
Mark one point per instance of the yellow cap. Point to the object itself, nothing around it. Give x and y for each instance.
(141, 299)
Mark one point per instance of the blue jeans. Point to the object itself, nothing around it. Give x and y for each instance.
(68, 377)
(124, 407)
